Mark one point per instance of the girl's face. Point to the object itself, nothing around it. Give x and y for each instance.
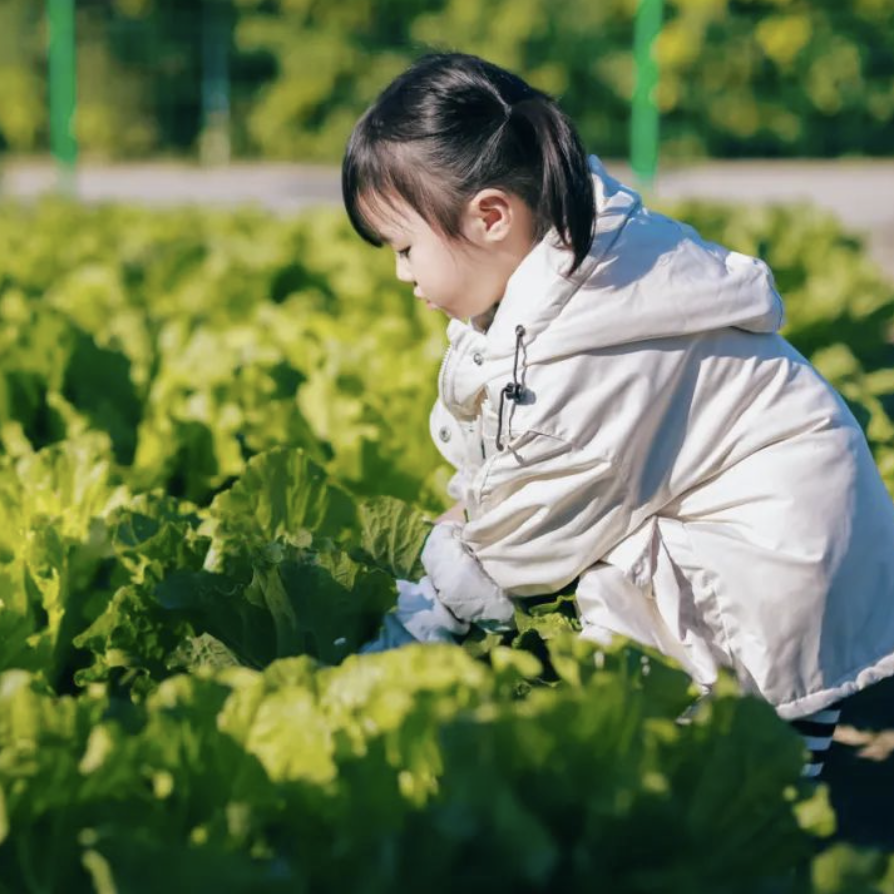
(464, 279)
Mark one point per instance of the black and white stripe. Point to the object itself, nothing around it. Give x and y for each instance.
(816, 730)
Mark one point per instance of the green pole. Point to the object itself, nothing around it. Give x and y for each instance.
(63, 85)
(644, 115)
(214, 144)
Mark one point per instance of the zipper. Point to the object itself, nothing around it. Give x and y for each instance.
(443, 370)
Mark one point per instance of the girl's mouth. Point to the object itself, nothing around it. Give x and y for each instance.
(429, 304)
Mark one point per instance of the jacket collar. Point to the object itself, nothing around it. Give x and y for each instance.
(539, 288)
(661, 280)
(535, 294)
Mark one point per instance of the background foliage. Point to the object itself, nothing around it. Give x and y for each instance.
(214, 463)
(739, 77)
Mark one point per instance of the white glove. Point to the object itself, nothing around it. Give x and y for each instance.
(461, 583)
(418, 617)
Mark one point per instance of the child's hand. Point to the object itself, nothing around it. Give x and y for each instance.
(417, 617)
(456, 513)
(461, 583)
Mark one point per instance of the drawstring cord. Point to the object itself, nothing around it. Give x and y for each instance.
(511, 390)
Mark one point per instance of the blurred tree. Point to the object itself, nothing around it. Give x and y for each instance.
(738, 77)
(23, 107)
(778, 77)
(331, 60)
(139, 75)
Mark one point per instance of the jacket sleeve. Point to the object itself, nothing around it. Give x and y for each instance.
(544, 510)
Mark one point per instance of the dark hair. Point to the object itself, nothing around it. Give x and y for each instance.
(453, 124)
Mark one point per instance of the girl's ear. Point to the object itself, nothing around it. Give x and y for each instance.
(490, 216)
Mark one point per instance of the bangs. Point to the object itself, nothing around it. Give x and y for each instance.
(377, 173)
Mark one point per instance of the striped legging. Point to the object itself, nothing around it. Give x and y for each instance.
(816, 730)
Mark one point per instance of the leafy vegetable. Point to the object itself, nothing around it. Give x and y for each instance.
(213, 468)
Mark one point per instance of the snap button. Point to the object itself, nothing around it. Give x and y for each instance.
(478, 357)
(444, 433)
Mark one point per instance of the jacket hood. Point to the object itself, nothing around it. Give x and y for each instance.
(646, 276)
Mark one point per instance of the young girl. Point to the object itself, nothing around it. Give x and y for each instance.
(620, 408)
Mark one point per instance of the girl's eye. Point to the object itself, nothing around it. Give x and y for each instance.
(404, 253)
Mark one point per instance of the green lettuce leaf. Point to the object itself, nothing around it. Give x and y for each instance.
(392, 534)
(297, 602)
(282, 496)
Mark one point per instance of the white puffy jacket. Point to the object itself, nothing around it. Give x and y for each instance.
(712, 493)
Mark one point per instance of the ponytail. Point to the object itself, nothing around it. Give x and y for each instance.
(454, 124)
(567, 201)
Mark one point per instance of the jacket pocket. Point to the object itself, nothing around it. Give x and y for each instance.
(525, 458)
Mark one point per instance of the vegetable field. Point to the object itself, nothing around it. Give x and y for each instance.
(214, 462)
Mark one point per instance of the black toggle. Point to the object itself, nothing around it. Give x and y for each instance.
(511, 390)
